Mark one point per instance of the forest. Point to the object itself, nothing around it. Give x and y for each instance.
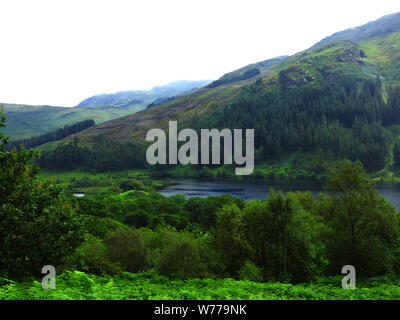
(343, 119)
(134, 243)
(59, 134)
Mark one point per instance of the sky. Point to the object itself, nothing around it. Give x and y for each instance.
(59, 52)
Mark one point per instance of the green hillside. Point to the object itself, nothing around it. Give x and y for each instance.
(381, 27)
(142, 98)
(25, 121)
(339, 99)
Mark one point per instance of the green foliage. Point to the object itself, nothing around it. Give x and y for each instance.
(149, 286)
(53, 136)
(91, 256)
(132, 185)
(233, 77)
(128, 248)
(100, 227)
(250, 272)
(363, 227)
(38, 226)
(103, 157)
(185, 257)
(138, 219)
(231, 239)
(204, 211)
(396, 154)
(288, 238)
(337, 118)
(283, 237)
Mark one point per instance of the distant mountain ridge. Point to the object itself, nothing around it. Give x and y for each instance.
(25, 121)
(143, 97)
(247, 72)
(383, 26)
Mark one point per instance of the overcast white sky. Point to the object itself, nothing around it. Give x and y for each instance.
(59, 52)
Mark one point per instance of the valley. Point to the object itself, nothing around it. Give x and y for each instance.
(94, 196)
(25, 121)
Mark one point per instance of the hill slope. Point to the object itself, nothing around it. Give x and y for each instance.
(383, 26)
(25, 121)
(143, 97)
(337, 99)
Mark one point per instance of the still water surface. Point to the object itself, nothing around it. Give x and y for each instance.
(259, 189)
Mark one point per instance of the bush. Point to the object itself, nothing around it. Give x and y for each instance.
(250, 272)
(91, 257)
(127, 247)
(132, 185)
(186, 257)
(173, 220)
(100, 227)
(138, 219)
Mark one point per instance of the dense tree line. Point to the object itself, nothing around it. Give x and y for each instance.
(286, 237)
(396, 154)
(59, 134)
(346, 119)
(102, 157)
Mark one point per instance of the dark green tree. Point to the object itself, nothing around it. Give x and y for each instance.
(282, 236)
(231, 239)
(38, 226)
(363, 227)
(396, 154)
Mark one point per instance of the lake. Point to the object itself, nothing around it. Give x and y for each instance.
(248, 190)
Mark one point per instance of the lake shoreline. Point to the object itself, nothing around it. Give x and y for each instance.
(259, 189)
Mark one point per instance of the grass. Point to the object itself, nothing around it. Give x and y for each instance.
(150, 286)
(68, 175)
(93, 184)
(383, 52)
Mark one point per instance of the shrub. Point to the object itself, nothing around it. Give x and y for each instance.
(127, 247)
(173, 220)
(138, 219)
(91, 257)
(132, 185)
(250, 272)
(100, 227)
(185, 257)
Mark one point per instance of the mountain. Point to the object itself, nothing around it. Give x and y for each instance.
(248, 72)
(381, 27)
(340, 98)
(25, 121)
(143, 97)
